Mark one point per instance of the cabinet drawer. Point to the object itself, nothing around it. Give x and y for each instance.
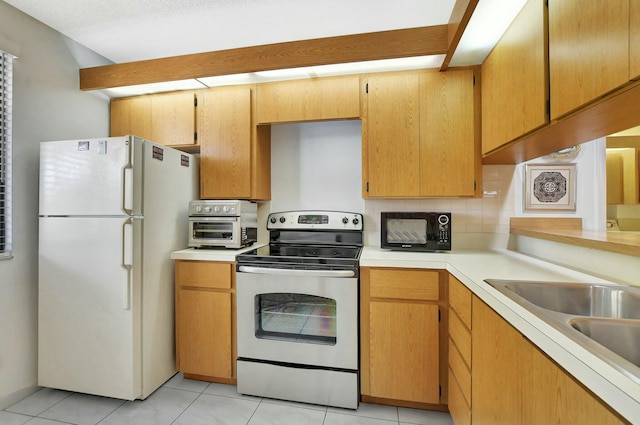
(405, 284)
(460, 370)
(204, 274)
(460, 300)
(458, 407)
(460, 336)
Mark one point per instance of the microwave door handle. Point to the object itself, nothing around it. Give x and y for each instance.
(297, 272)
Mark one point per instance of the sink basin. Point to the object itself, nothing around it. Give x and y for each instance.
(603, 318)
(620, 336)
(596, 300)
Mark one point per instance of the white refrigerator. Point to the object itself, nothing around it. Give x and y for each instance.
(111, 212)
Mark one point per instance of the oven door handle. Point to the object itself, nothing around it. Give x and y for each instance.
(297, 272)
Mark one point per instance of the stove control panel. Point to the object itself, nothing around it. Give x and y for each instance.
(318, 220)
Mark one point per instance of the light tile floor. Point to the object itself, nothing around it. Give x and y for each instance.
(187, 402)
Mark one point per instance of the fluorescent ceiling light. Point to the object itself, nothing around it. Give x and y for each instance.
(398, 64)
(154, 88)
(488, 23)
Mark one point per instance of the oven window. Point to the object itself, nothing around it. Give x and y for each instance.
(212, 230)
(296, 317)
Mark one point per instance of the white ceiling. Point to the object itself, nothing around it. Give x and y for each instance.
(133, 30)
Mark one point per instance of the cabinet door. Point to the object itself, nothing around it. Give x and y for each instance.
(404, 351)
(224, 132)
(131, 115)
(391, 150)
(203, 328)
(448, 154)
(551, 396)
(173, 118)
(496, 383)
(588, 51)
(634, 50)
(312, 99)
(514, 79)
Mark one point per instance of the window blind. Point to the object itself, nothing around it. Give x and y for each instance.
(6, 84)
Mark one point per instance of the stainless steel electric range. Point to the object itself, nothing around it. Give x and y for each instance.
(297, 310)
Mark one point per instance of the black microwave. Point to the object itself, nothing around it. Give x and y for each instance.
(415, 231)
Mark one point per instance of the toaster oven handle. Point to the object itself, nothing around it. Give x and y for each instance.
(297, 272)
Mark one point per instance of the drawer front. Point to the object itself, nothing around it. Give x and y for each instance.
(405, 284)
(460, 300)
(460, 336)
(458, 407)
(204, 274)
(460, 370)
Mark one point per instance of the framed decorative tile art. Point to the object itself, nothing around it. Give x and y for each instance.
(550, 187)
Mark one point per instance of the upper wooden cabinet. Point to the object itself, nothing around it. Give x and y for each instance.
(391, 135)
(634, 39)
(234, 153)
(449, 137)
(419, 135)
(515, 82)
(588, 51)
(173, 120)
(166, 118)
(315, 99)
(131, 115)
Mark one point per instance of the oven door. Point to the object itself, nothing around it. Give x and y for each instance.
(306, 317)
(214, 231)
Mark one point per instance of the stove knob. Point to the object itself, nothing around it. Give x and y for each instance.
(282, 219)
(273, 220)
(198, 208)
(207, 209)
(355, 221)
(217, 208)
(225, 208)
(345, 220)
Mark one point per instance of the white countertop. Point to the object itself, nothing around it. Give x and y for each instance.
(211, 254)
(472, 267)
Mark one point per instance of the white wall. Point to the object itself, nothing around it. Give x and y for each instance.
(317, 165)
(591, 185)
(47, 105)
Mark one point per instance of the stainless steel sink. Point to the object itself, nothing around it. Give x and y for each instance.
(614, 301)
(604, 319)
(620, 336)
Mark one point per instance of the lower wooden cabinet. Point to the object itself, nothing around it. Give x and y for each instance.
(205, 323)
(515, 383)
(400, 328)
(460, 358)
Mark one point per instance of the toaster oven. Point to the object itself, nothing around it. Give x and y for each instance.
(222, 224)
(415, 231)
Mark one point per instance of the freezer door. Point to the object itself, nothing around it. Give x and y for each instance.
(87, 177)
(89, 305)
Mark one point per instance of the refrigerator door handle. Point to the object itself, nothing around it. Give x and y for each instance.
(127, 259)
(127, 189)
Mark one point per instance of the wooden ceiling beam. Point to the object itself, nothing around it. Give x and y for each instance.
(460, 17)
(421, 41)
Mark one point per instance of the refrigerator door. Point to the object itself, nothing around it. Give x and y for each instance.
(89, 305)
(88, 177)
